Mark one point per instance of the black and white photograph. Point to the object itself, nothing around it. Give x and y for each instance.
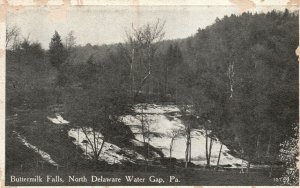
(162, 94)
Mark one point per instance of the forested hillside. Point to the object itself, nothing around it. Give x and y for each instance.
(245, 78)
(237, 78)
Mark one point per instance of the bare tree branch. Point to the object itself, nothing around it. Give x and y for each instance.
(12, 33)
(141, 43)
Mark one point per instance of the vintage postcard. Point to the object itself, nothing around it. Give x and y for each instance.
(160, 93)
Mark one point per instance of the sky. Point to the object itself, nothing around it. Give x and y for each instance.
(99, 25)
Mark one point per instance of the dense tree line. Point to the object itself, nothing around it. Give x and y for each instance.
(246, 80)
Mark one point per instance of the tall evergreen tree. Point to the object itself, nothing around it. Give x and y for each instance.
(57, 51)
